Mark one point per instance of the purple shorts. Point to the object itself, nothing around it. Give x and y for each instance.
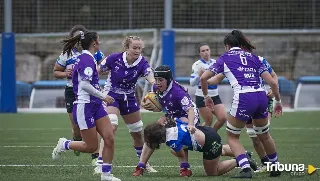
(85, 114)
(126, 103)
(249, 105)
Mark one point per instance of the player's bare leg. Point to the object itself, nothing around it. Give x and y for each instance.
(258, 146)
(234, 127)
(262, 130)
(113, 116)
(135, 125)
(206, 115)
(215, 167)
(76, 135)
(220, 113)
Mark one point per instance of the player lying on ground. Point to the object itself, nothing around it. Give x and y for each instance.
(204, 139)
(176, 103)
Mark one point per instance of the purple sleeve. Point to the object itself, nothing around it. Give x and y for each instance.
(106, 63)
(146, 69)
(86, 70)
(261, 67)
(185, 102)
(218, 67)
(154, 88)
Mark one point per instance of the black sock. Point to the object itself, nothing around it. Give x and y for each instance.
(247, 170)
(94, 155)
(264, 160)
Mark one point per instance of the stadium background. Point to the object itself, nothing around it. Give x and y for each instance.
(286, 32)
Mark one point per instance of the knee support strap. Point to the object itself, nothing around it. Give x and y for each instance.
(113, 119)
(233, 129)
(251, 133)
(135, 127)
(261, 130)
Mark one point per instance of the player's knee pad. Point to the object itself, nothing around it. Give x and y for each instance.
(113, 119)
(135, 127)
(261, 130)
(233, 129)
(251, 133)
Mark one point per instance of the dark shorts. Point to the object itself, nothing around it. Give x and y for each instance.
(270, 109)
(69, 98)
(212, 148)
(200, 103)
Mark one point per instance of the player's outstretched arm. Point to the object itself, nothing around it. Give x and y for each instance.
(146, 154)
(61, 72)
(191, 116)
(275, 90)
(86, 86)
(272, 83)
(216, 79)
(275, 76)
(203, 80)
(204, 86)
(150, 78)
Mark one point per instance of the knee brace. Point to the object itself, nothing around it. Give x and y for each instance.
(251, 133)
(261, 130)
(233, 129)
(135, 127)
(113, 119)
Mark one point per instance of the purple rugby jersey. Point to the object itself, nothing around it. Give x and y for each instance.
(243, 70)
(176, 101)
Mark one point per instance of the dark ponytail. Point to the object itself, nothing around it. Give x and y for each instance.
(237, 39)
(85, 39)
(76, 28)
(231, 40)
(244, 42)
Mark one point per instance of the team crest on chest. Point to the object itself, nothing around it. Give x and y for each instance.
(116, 68)
(135, 73)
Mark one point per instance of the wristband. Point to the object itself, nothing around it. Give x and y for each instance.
(278, 102)
(205, 96)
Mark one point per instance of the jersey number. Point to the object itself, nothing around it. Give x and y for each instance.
(243, 59)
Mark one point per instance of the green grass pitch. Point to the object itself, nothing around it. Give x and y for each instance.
(27, 140)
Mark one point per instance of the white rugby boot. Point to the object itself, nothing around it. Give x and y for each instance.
(108, 177)
(58, 149)
(150, 169)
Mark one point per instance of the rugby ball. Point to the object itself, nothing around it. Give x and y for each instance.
(153, 98)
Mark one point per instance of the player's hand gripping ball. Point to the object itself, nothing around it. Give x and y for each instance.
(151, 102)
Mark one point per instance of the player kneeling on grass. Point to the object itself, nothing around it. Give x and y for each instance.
(176, 135)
